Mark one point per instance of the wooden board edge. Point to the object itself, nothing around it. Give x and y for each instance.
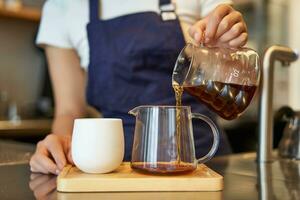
(60, 181)
(64, 185)
(216, 184)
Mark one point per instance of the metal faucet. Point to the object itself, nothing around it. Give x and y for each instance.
(286, 55)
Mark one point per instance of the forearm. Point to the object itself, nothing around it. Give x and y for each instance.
(68, 81)
(63, 123)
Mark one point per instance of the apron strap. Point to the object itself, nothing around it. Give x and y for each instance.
(167, 10)
(94, 10)
(164, 2)
(164, 5)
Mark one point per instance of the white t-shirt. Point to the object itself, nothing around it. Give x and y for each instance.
(63, 22)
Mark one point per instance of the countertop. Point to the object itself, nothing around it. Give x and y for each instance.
(243, 179)
(37, 127)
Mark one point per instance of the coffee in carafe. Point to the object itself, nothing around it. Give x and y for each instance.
(225, 80)
(165, 168)
(228, 100)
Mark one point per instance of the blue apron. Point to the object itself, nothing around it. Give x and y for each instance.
(131, 64)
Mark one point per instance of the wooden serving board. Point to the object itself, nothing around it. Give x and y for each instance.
(124, 179)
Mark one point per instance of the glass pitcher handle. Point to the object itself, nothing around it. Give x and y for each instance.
(216, 134)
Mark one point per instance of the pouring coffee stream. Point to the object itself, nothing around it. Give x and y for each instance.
(178, 96)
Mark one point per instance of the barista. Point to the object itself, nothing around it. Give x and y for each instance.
(116, 55)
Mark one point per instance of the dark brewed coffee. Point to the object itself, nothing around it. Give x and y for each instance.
(226, 99)
(164, 168)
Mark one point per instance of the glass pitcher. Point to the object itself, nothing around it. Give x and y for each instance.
(223, 79)
(163, 139)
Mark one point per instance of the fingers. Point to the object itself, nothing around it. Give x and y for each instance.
(44, 164)
(67, 149)
(40, 162)
(234, 32)
(214, 20)
(51, 154)
(55, 147)
(38, 165)
(70, 159)
(228, 22)
(223, 26)
(197, 30)
(239, 41)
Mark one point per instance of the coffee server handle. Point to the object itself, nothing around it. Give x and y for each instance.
(216, 137)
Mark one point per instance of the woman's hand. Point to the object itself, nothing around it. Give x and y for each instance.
(51, 154)
(224, 26)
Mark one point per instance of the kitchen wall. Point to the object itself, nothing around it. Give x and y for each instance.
(294, 42)
(277, 33)
(21, 63)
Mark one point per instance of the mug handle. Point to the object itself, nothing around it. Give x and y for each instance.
(215, 133)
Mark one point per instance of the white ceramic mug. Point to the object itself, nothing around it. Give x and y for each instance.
(98, 144)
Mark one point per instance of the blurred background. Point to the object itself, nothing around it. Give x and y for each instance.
(26, 102)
